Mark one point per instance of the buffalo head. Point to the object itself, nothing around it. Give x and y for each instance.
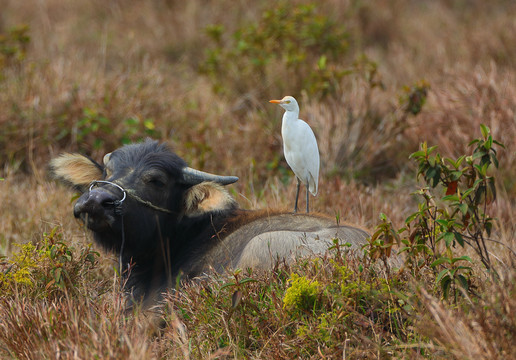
(139, 200)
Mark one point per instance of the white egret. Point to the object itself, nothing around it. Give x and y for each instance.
(300, 148)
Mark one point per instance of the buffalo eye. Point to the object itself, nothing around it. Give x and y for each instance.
(157, 183)
(155, 180)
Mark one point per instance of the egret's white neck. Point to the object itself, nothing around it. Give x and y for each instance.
(290, 118)
(291, 115)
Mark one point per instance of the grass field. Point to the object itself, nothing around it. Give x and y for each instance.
(374, 79)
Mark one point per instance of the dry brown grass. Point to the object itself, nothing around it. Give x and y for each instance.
(484, 328)
(122, 60)
(73, 329)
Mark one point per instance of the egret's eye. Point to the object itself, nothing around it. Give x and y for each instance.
(288, 101)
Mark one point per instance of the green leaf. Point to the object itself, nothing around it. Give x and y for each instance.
(227, 285)
(440, 261)
(432, 148)
(459, 161)
(247, 280)
(462, 258)
(478, 181)
(499, 144)
(448, 238)
(485, 167)
(489, 227)
(463, 208)
(441, 274)
(442, 222)
(411, 218)
(455, 175)
(104, 120)
(453, 197)
(90, 258)
(467, 192)
(478, 154)
(485, 130)
(445, 285)
(494, 160)
(468, 268)
(492, 187)
(459, 239)
(149, 124)
(403, 249)
(417, 154)
(452, 272)
(462, 281)
(451, 161)
(322, 62)
(489, 142)
(433, 174)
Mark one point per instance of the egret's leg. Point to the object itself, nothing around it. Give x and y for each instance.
(307, 199)
(297, 194)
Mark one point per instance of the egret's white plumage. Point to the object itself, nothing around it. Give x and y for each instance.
(300, 147)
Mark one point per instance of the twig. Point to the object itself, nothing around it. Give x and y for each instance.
(495, 241)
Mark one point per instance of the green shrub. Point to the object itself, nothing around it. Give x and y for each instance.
(94, 128)
(414, 97)
(49, 268)
(13, 46)
(460, 217)
(290, 48)
(302, 294)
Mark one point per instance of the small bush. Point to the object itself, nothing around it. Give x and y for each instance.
(13, 47)
(291, 48)
(302, 294)
(460, 217)
(48, 269)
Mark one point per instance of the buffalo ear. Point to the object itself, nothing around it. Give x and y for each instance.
(76, 170)
(207, 197)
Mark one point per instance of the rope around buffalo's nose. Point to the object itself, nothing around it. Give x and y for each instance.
(117, 204)
(131, 193)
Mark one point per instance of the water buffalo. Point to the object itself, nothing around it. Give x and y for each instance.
(172, 222)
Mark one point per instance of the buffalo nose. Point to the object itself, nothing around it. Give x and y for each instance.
(94, 202)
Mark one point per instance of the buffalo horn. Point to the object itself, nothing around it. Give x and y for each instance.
(193, 177)
(106, 158)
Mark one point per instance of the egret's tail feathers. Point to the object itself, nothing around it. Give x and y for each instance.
(312, 185)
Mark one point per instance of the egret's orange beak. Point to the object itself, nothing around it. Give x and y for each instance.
(275, 101)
